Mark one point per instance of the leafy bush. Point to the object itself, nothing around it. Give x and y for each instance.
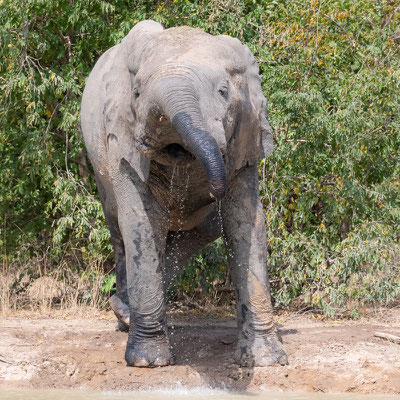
(203, 271)
(331, 188)
(330, 72)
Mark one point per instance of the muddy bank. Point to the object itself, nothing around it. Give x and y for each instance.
(324, 356)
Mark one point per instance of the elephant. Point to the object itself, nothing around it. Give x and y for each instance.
(174, 122)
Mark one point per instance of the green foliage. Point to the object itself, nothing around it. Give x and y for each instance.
(330, 72)
(109, 284)
(203, 271)
(331, 188)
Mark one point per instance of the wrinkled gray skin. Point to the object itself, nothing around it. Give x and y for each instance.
(174, 120)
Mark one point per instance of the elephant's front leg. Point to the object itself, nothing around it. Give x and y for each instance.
(144, 238)
(245, 235)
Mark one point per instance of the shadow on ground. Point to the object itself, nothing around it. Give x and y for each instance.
(209, 351)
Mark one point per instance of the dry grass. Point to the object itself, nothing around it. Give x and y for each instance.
(36, 286)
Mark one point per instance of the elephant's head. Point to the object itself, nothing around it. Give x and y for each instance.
(193, 96)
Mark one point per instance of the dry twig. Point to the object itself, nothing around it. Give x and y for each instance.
(388, 336)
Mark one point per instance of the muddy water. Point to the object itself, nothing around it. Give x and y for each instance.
(177, 394)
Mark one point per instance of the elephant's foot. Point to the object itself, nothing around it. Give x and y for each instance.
(121, 310)
(259, 350)
(150, 352)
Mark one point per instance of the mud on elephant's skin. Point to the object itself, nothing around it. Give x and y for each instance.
(174, 122)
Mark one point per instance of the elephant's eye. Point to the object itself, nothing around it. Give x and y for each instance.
(136, 92)
(223, 91)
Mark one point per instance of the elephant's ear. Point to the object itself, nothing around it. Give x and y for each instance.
(266, 137)
(259, 103)
(119, 118)
(252, 132)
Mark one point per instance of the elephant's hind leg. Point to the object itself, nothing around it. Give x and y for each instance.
(119, 301)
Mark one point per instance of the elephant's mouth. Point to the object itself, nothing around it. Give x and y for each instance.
(177, 154)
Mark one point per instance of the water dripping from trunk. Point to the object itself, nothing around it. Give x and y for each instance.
(229, 252)
(182, 197)
(169, 204)
(178, 192)
(171, 189)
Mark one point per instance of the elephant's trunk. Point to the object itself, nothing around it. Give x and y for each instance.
(182, 108)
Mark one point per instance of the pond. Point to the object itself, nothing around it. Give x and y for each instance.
(178, 394)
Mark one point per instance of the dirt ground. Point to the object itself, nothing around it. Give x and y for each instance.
(70, 351)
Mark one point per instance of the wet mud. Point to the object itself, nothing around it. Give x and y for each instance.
(88, 353)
